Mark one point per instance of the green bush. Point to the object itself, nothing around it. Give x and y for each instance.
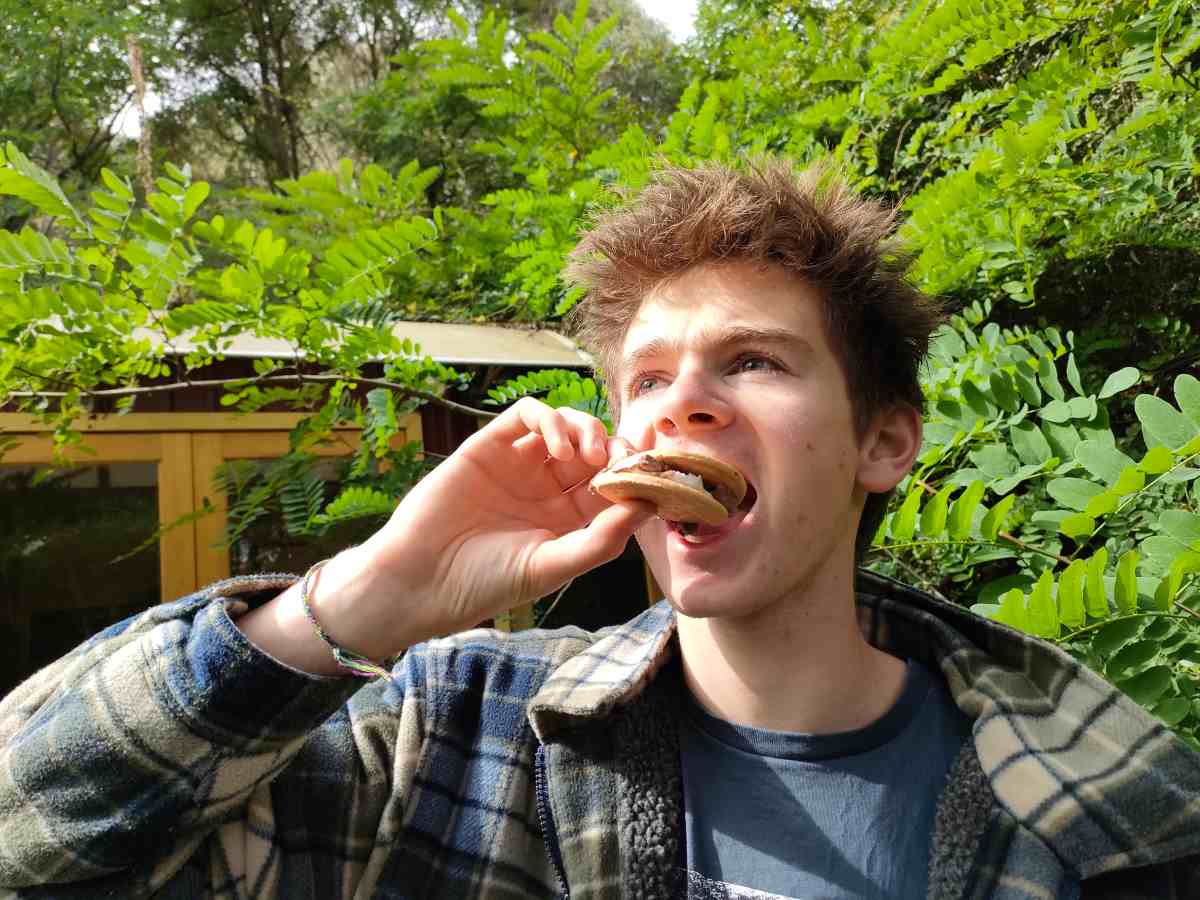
(1044, 160)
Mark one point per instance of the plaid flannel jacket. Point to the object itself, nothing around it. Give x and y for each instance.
(168, 757)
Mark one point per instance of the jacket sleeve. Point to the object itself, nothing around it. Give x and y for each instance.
(169, 746)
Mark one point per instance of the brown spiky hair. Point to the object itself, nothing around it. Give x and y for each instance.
(809, 223)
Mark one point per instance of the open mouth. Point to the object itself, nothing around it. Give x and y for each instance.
(697, 533)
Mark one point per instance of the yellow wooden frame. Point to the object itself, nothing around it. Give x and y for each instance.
(188, 448)
(173, 454)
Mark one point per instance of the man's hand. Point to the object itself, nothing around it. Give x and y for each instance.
(494, 526)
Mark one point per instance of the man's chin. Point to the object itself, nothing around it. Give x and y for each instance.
(709, 601)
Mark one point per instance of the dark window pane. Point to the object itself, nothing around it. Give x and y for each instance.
(61, 575)
(609, 595)
(267, 545)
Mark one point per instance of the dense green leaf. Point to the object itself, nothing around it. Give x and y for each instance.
(1146, 687)
(1181, 525)
(1056, 411)
(1162, 423)
(1073, 375)
(1031, 445)
(904, 522)
(994, 460)
(1173, 710)
(1157, 460)
(1102, 504)
(1114, 635)
(1073, 492)
(933, 516)
(976, 400)
(993, 521)
(1094, 591)
(1118, 381)
(1077, 525)
(1041, 611)
(1012, 610)
(1127, 587)
(1131, 480)
(1027, 387)
(963, 510)
(1071, 607)
(1103, 461)
(1004, 485)
(356, 503)
(196, 195)
(1168, 588)
(1187, 395)
(1134, 655)
(29, 182)
(1048, 378)
(1004, 391)
(1082, 408)
(117, 185)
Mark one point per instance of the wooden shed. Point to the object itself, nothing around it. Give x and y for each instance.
(66, 570)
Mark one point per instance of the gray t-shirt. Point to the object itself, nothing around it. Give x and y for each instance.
(773, 814)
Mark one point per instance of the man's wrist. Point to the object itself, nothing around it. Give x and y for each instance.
(346, 597)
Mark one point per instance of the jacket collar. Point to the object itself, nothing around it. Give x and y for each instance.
(1100, 781)
(611, 672)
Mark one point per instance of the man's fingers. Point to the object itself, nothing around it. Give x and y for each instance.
(565, 432)
(589, 434)
(619, 448)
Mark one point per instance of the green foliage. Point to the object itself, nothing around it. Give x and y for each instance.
(310, 499)
(547, 110)
(1045, 155)
(556, 387)
(131, 292)
(66, 79)
(1027, 505)
(1044, 159)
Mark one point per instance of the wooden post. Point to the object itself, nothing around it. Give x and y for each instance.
(177, 547)
(653, 592)
(212, 556)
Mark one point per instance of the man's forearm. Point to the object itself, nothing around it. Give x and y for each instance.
(175, 700)
(337, 594)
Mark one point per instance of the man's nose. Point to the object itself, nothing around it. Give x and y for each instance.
(692, 403)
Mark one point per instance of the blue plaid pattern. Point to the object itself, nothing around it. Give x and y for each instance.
(168, 757)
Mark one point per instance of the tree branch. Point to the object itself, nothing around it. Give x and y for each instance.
(1187, 609)
(1180, 75)
(915, 575)
(1004, 535)
(271, 379)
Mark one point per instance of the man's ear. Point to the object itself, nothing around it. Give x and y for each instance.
(887, 450)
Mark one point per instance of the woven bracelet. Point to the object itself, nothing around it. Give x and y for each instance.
(351, 662)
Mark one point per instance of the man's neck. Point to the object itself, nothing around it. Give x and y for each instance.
(799, 665)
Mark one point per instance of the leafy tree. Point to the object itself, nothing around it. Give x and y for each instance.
(420, 112)
(77, 312)
(1044, 157)
(252, 68)
(67, 82)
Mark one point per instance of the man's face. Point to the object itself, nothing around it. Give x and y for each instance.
(733, 361)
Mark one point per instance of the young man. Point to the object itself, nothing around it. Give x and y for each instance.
(766, 731)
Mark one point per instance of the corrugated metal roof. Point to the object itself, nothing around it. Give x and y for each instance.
(449, 343)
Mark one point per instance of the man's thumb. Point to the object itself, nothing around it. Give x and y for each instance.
(603, 539)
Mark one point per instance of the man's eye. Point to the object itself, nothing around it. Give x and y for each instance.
(755, 364)
(643, 384)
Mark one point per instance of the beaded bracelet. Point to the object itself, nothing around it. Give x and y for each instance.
(352, 662)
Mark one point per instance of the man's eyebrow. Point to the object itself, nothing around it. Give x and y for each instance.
(724, 338)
